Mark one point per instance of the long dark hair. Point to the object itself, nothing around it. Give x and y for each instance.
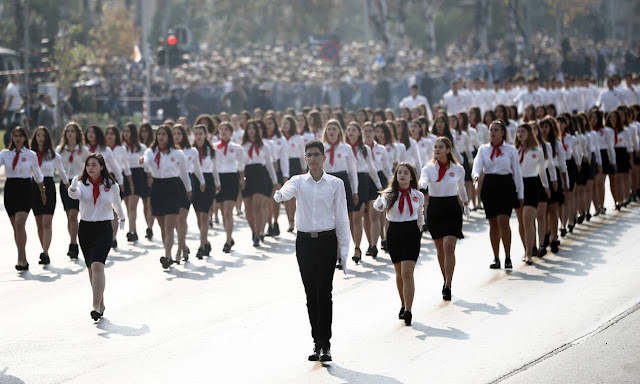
(257, 135)
(184, 144)
(618, 125)
(315, 120)
(99, 134)
(79, 136)
(107, 179)
(392, 189)
(150, 136)
(553, 132)
(167, 130)
(405, 135)
(447, 131)
(134, 140)
(492, 116)
(276, 128)
(464, 126)
(293, 125)
(388, 137)
(47, 146)
(532, 141)
(207, 121)
(207, 144)
(541, 141)
(305, 127)
(23, 132)
(361, 146)
(116, 133)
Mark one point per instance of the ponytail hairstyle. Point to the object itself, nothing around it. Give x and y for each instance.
(391, 192)
(502, 126)
(207, 144)
(107, 178)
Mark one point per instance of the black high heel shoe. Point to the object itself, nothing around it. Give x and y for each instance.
(407, 316)
(44, 259)
(401, 314)
(22, 267)
(95, 315)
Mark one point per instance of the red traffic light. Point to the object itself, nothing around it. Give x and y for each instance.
(172, 40)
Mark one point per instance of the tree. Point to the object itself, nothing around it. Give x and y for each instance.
(429, 8)
(115, 33)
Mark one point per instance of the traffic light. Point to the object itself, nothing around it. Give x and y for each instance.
(173, 50)
(46, 52)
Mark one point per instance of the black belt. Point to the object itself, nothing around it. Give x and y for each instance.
(315, 235)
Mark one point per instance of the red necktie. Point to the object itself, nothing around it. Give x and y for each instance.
(442, 170)
(199, 154)
(404, 195)
(286, 136)
(96, 188)
(496, 152)
(331, 151)
(92, 148)
(112, 148)
(39, 158)
(255, 147)
(565, 146)
(354, 148)
(474, 125)
(15, 159)
(522, 151)
(225, 145)
(373, 157)
(158, 155)
(615, 135)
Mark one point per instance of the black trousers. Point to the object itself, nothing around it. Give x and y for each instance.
(317, 261)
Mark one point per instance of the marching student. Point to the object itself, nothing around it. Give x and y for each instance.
(444, 178)
(73, 154)
(552, 176)
(623, 145)
(48, 161)
(573, 156)
(20, 165)
(113, 140)
(168, 168)
(295, 150)
(594, 165)
(385, 138)
(606, 142)
(550, 133)
(412, 155)
(460, 127)
(425, 144)
(532, 166)
(501, 188)
(203, 199)
(99, 196)
(230, 164)
(146, 137)
(132, 193)
(260, 180)
(273, 137)
(403, 205)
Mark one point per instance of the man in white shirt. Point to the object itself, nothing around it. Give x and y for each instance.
(530, 96)
(454, 101)
(12, 100)
(415, 99)
(609, 99)
(322, 222)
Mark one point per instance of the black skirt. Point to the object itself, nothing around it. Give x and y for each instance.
(363, 191)
(140, 185)
(202, 201)
(531, 191)
(279, 176)
(403, 241)
(183, 199)
(467, 168)
(445, 217)
(68, 203)
(542, 194)
(36, 203)
(593, 167)
(95, 239)
(572, 172)
(165, 196)
(636, 159)
(557, 196)
(583, 174)
(622, 160)
(257, 181)
(17, 195)
(295, 167)
(498, 195)
(229, 187)
(347, 187)
(607, 169)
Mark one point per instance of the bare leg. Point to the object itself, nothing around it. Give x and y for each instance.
(357, 226)
(542, 222)
(148, 216)
(20, 235)
(374, 222)
(249, 213)
(529, 215)
(552, 221)
(169, 223)
(46, 233)
(203, 226)
(259, 202)
(227, 217)
(441, 257)
(132, 212)
(72, 225)
(182, 230)
(494, 235)
(505, 234)
(39, 226)
(521, 226)
(97, 285)
(408, 285)
(367, 223)
(399, 285)
(450, 259)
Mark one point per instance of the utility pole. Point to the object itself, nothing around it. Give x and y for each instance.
(366, 37)
(146, 102)
(25, 9)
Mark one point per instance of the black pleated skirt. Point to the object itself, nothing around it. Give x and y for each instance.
(17, 195)
(557, 196)
(583, 174)
(95, 240)
(444, 217)
(202, 201)
(257, 181)
(607, 169)
(593, 167)
(572, 172)
(36, 203)
(498, 195)
(403, 241)
(229, 187)
(165, 198)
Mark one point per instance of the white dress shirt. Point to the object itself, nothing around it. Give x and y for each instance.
(425, 148)
(281, 152)
(193, 163)
(110, 161)
(343, 161)
(261, 156)
(366, 165)
(295, 149)
(506, 163)
(455, 103)
(208, 165)
(410, 102)
(609, 100)
(401, 152)
(380, 159)
(320, 206)
(606, 138)
(233, 161)
(483, 134)
(452, 184)
(533, 164)
(393, 214)
(463, 144)
(634, 131)
(237, 136)
(172, 164)
(624, 140)
(26, 167)
(548, 164)
(122, 158)
(108, 201)
(49, 166)
(572, 150)
(307, 137)
(594, 140)
(413, 154)
(73, 161)
(133, 155)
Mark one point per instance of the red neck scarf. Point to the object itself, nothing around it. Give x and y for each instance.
(224, 144)
(96, 188)
(373, 157)
(473, 125)
(113, 147)
(404, 195)
(254, 147)
(158, 155)
(354, 148)
(15, 158)
(71, 153)
(92, 148)
(40, 156)
(615, 136)
(521, 152)
(496, 152)
(565, 146)
(286, 135)
(200, 150)
(442, 170)
(418, 139)
(331, 151)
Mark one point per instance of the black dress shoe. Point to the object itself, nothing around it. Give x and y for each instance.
(529, 262)
(276, 229)
(226, 248)
(207, 249)
(325, 355)
(129, 236)
(210, 224)
(357, 256)
(200, 253)
(546, 240)
(580, 219)
(44, 259)
(446, 294)
(407, 316)
(542, 251)
(95, 315)
(588, 216)
(315, 356)
(563, 232)
(554, 246)
(570, 228)
(73, 251)
(166, 263)
(256, 241)
(374, 252)
(339, 265)
(383, 246)
(495, 265)
(114, 244)
(401, 314)
(534, 252)
(507, 263)
(443, 285)
(149, 234)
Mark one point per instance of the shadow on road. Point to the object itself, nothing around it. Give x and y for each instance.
(448, 333)
(8, 379)
(110, 328)
(350, 376)
(498, 309)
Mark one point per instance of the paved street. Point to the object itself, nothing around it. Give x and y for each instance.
(241, 317)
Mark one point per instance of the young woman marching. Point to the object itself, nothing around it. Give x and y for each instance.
(404, 136)
(203, 199)
(606, 141)
(385, 138)
(280, 153)
(635, 186)
(99, 196)
(441, 128)
(365, 168)
(49, 161)
(573, 156)
(168, 168)
(400, 148)
(20, 165)
(191, 157)
(534, 178)
(380, 158)
(139, 189)
(425, 144)
(73, 154)
(585, 149)
(444, 178)
(482, 130)
(260, 180)
(230, 164)
(297, 166)
(552, 176)
(623, 145)
(595, 165)
(146, 138)
(502, 186)
(113, 140)
(550, 134)
(459, 125)
(96, 143)
(403, 204)
(303, 128)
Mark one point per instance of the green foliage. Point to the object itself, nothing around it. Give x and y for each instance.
(103, 119)
(70, 57)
